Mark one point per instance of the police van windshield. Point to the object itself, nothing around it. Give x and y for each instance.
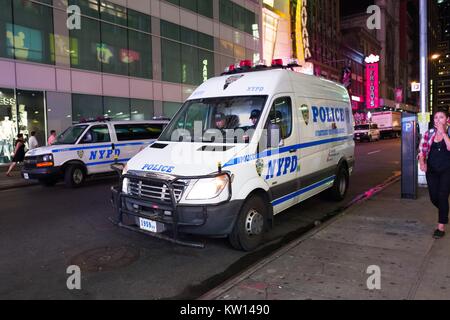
(71, 135)
(220, 120)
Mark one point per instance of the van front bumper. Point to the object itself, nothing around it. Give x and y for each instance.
(49, 173)
(173, 218)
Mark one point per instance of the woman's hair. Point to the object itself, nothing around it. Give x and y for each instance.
(20, 135)
(442, 110)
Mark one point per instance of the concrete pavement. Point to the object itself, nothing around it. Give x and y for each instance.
(332, 261)
(16, 181)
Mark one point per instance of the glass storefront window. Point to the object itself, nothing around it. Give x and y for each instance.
(113, 51)
(86, 107)
(20, 112)
(116, 108)
(171, 108)
(141, 109)
(8, 124)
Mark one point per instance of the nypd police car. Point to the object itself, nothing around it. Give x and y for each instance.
(89, 148)
(243, 148)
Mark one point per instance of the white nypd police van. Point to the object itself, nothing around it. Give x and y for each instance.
(243, 148)
(89, 148)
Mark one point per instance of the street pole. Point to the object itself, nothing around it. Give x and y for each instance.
(423, 56)
(423, 123)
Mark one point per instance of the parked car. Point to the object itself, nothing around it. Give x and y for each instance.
(367, 132)
(86, 149)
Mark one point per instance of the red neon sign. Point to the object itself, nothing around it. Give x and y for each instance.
(372, 82)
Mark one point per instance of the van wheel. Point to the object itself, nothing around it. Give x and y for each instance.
(74, 176)
(248, 231)
(341, 184)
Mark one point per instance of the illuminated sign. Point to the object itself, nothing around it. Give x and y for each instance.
(372, 82)
(205, 70)
(301, 31)
(23, 43)
(415, 87)
(7, 101)
(104, 53)
(129, 56)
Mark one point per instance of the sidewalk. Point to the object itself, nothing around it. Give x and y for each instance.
(16, 181)
(331, 262)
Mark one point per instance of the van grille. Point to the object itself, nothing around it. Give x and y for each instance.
(155, 190)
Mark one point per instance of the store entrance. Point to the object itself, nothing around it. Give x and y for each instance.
(20, 112)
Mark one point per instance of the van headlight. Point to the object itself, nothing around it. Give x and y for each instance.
(209, 188)
(126, 181)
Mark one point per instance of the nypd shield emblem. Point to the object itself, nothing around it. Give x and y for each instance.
(305, 113)
(80, 154)
(230, 80)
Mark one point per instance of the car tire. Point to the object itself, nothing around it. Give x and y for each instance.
(341, 185)
(251, 224)
(74, 176)
(47, 182)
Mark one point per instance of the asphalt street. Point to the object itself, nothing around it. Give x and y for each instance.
(44, 230)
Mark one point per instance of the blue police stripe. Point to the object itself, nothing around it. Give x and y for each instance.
(269, 153)
(302, 191)
(105, 162)
(100, 147)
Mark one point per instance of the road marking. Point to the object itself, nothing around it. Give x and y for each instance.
(370, 153)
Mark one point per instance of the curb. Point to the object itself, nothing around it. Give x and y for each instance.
(19, 186)
(360, 199)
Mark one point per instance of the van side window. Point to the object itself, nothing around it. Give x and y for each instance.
(281, 115)
(131, 132)
(96, 134)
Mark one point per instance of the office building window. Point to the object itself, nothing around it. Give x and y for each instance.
(28, 35)
(113, 51)
(236, 16)
(203, 7)
(186, 63)
(119, 44)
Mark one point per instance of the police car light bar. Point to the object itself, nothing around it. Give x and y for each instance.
(277, 62)
(247, 66)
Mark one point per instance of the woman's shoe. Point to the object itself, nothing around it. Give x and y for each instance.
(438, 234)
(9, 175)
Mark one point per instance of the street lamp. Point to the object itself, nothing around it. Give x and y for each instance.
(435, 56)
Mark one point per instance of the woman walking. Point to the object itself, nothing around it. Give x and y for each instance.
(435, 162)
(19, 153)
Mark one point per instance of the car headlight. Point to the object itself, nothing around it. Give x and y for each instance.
(209, 188)
(45, 161)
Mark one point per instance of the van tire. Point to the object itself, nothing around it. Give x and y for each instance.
(341, 185)
(254, 211)
(74, 176)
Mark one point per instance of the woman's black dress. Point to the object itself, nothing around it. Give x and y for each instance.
(19, 156)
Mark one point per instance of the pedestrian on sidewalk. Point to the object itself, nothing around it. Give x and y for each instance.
(19, 153)
(52, 139)
(32, 141)
(434, 160)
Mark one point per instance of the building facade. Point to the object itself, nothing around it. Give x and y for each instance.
(442, 62)
(129, 60)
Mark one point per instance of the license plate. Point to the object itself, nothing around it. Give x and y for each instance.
(26, 176)
(151, 226)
